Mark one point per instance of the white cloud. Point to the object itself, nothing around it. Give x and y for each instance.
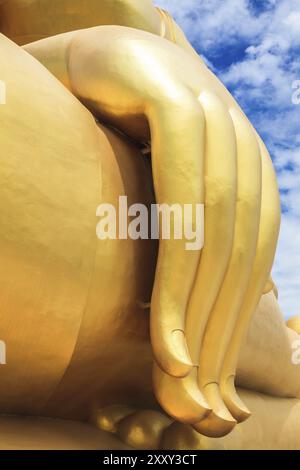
(210, 22)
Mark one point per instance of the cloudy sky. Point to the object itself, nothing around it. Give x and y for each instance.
(254, 48)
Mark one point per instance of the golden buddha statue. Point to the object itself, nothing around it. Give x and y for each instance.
(89, 85)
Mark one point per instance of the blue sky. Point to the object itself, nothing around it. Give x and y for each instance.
(253, 46)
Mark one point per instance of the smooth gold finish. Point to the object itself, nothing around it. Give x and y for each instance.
(109, 418)
(73, 307)
(144, 429)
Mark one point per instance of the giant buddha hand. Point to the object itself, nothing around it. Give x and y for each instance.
(204, 151)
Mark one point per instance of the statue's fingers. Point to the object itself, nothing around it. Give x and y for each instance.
(224, 315)
(220, 205)
(177, 138)
(220, 201)
(180, 397)
(266, 247)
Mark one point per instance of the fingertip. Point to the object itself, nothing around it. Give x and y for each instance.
(172, 355)
(236, 406)
(219, 422)
(180, 397)
(215, 425)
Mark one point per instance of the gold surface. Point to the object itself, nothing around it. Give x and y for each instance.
(273, 426)
(17, 433)
(71, 305)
